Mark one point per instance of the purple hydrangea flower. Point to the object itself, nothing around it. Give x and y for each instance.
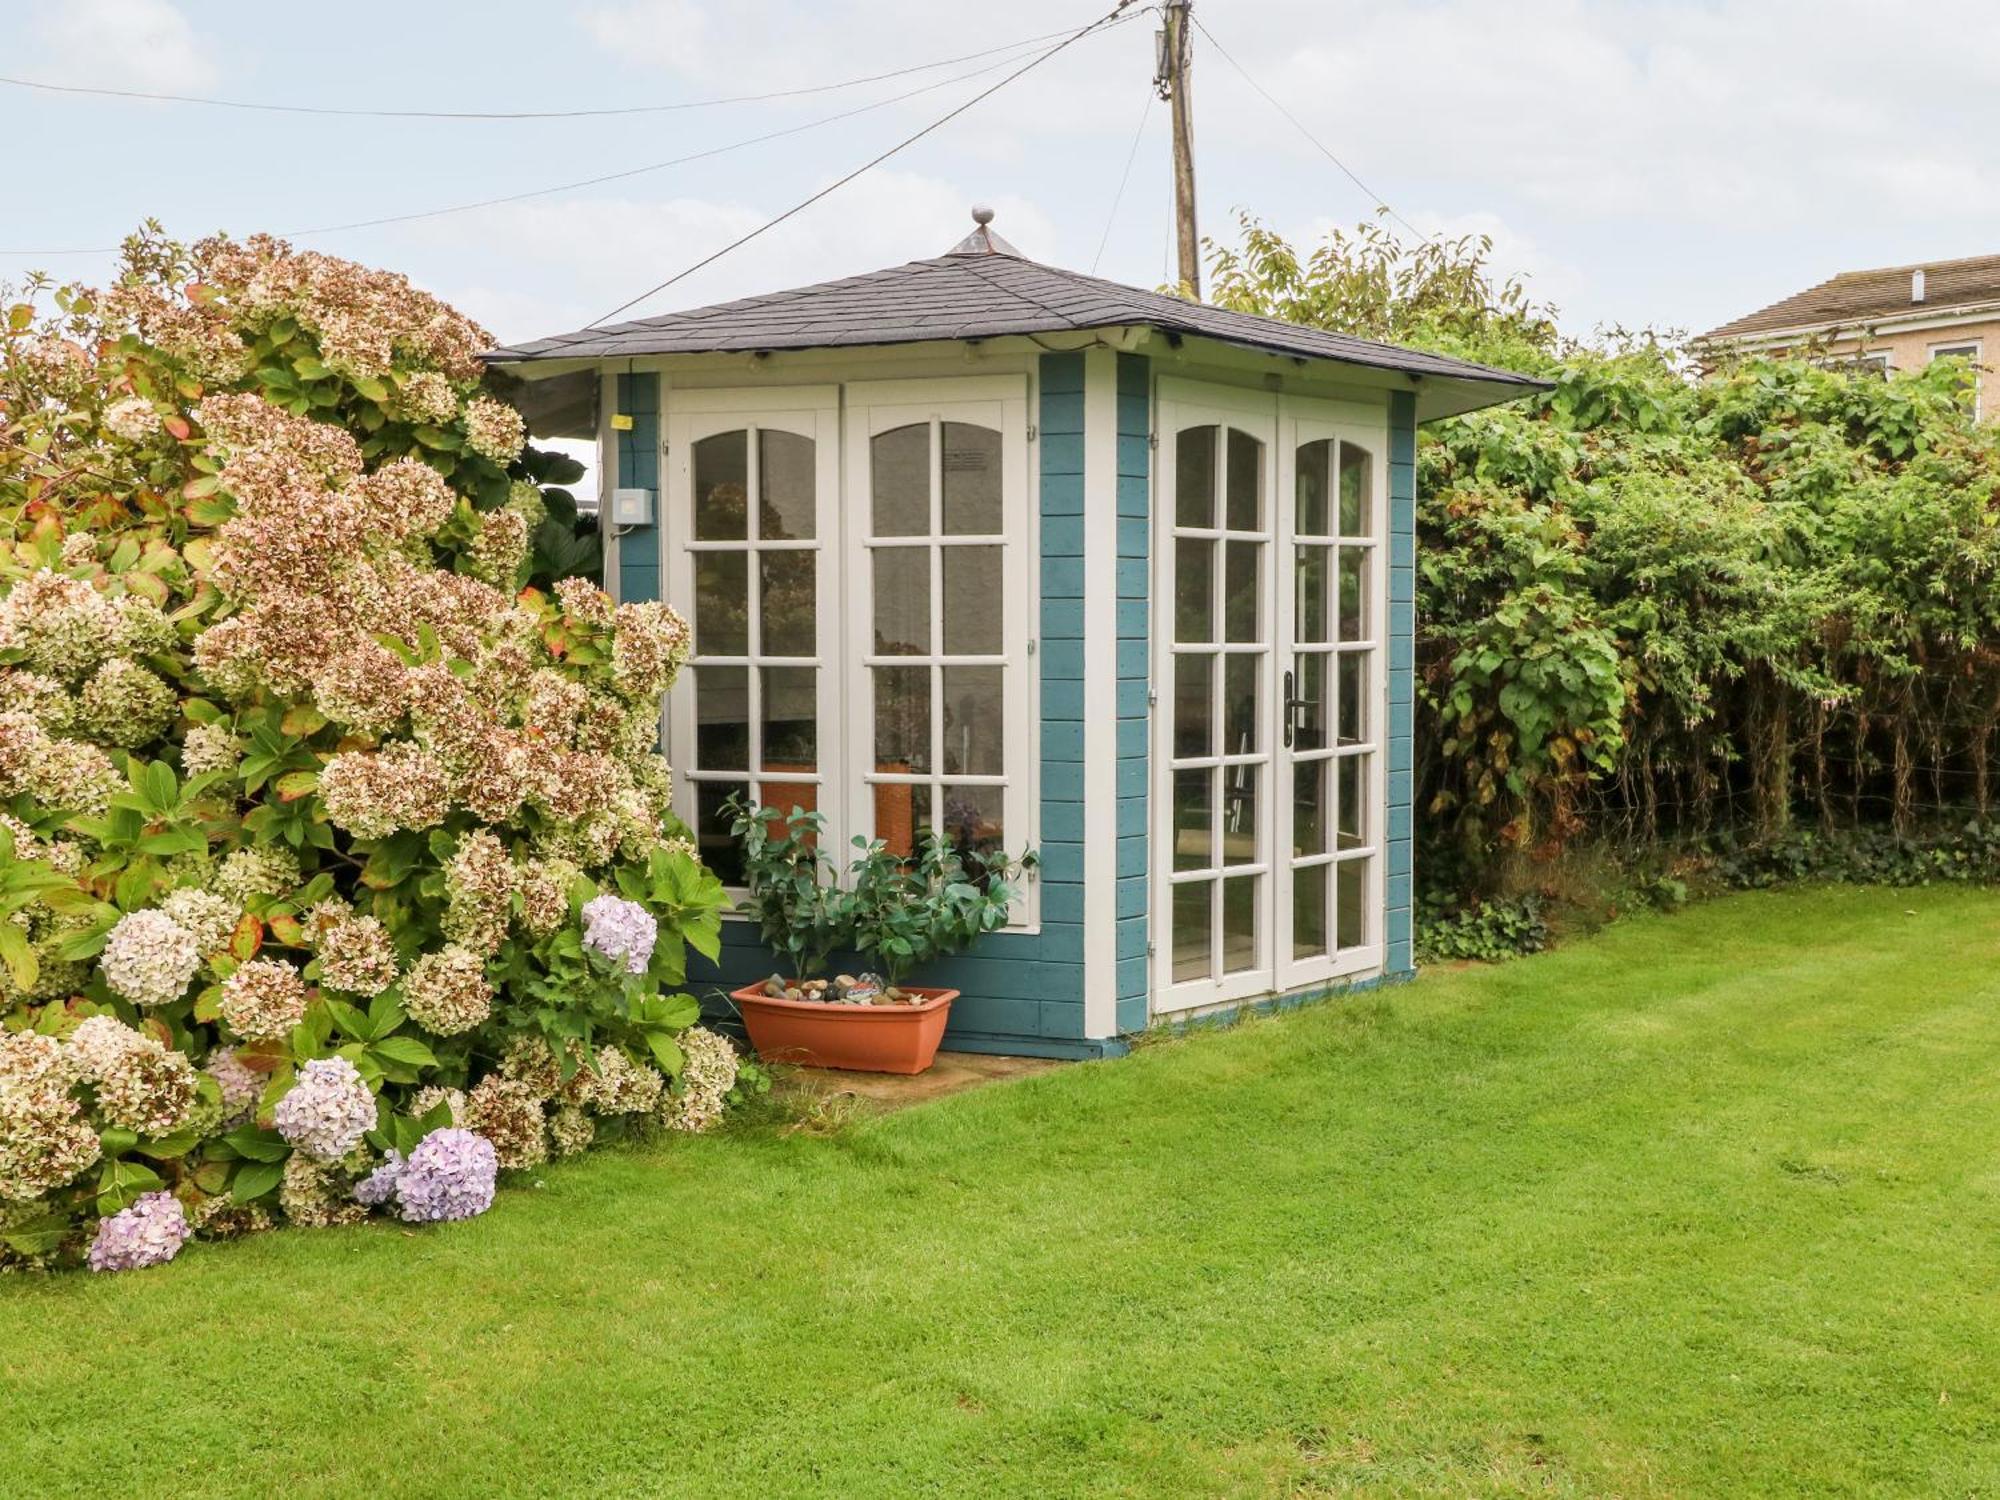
(149, 1233)
(380, 1185)
(327, 1111)
(449, 1176)
(622, 931)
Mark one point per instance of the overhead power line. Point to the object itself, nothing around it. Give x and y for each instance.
(1298, 125)
(589, 182)
(519, 114)
(1110, 18)
(1145, 112)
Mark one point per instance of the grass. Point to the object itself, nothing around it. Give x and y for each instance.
(1705, 1205)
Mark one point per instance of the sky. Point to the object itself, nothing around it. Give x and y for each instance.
(1640, 162)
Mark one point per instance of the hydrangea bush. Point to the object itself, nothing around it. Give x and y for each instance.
(337, 864)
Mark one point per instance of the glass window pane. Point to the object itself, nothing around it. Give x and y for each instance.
(1194, 706)
(722, 718)
(1240, 816)
(1194, 819)
(1242, 617)
(1313, 587)
(1357, 500)
(900, 480)
(789, 622)
(719, 849)
(973, 819)
(972, 721)
(900, 810)
(971, 461)
(1312, 487)
(1194, 477)
(1350, 902)
(1309, 807)
(1194, 590)
(1309, 714)
(972, 601)
(1355, 621)
(1242, 724)
(1246, 482)
(721, 487)
(1240, 899)
(1309, 932)
(1194, 930)
(721, 604)
(791, 718)
(1353, 697)
(902, 601)
(1353, 801)
(903, 719)
(786, 488)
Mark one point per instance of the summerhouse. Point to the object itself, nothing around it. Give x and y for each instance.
(1034, 559)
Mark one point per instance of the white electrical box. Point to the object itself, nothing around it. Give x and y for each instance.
(631, 507)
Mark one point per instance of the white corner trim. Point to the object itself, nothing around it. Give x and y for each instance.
(1100, 693)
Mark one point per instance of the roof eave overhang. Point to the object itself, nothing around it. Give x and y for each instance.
(1438, 394)
(1910, 319)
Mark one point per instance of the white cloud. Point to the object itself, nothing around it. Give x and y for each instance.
(576, 260)
(146, 44)
(664, 33)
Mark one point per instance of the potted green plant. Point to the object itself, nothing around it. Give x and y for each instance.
(897, 913)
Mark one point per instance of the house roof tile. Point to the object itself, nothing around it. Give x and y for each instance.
(973, 294)
(1857, 297)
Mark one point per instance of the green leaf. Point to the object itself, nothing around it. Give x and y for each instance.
(121, 1182)
(257, 1144)
(254, 1179)
(406, 1050)
(350, 1020)
(18, 954)
(37, 1236)
(666, 1052)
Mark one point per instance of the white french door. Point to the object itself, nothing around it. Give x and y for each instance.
(751, 524)
(1269, 682)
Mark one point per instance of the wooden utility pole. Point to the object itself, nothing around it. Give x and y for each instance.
(1171, 79)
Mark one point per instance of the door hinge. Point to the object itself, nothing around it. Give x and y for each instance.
(1152, 440)
(1033, 432)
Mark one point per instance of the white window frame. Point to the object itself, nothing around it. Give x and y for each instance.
(998, 402)
(809, 411)
(840, 418)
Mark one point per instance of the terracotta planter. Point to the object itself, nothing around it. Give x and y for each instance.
(861, 1038)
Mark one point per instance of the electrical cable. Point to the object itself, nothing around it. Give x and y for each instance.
(544, 114)
(586, 182)
(1124, 177)
(1108, 19)
(1380, 202)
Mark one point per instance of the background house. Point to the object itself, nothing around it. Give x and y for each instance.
(1897, 317)
(1032, 558)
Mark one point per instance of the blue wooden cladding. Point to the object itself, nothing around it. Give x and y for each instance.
(638, 398)
(1135, 421)
(1396, 916)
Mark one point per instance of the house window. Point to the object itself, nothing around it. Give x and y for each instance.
(1968, 352)
(861, 627)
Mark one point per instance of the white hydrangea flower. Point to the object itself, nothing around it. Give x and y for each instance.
(149, 958)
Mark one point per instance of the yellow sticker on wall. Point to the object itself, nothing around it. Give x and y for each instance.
(620, 422)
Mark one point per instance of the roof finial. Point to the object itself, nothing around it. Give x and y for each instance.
(982, 240)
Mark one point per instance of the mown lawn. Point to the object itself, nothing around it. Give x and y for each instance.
(1707, 1205)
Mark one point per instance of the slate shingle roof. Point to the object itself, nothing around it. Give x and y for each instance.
(1857, 297)
(972, 295)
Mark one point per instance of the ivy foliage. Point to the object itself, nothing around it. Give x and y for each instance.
(1672, 596)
